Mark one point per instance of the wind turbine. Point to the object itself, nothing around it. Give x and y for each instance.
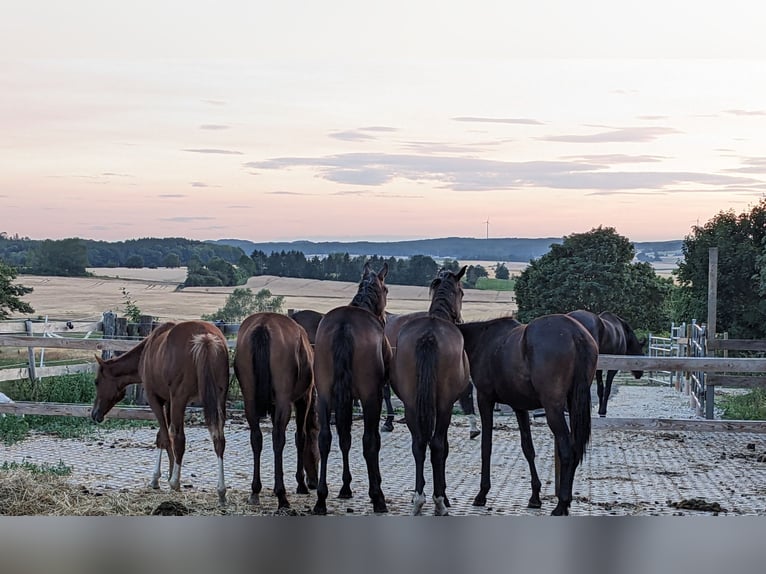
(487, 223)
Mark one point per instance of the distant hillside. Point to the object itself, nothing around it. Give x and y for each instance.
(460, 248)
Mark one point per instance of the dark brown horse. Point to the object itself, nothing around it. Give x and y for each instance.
(177, 363)
(430, 371)
(309, 320)
(274, 367)
(351, 360)
(394, 324)
(614, 337)
(548, 363)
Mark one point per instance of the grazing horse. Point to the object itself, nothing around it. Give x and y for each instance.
(274, 367)
(614, 337)
(548, 363)
(177, 363)
(394, 324)
(351, 360)
(429, 372)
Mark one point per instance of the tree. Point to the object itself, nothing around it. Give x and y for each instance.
(135, 262)
(172, 260)
(64, 258)
(594, 271)
(740, 239)
(501, 272)
(243, 302)
(10, 293)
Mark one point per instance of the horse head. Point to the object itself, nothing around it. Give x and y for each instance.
(447, 295)
(109, 390)
(372, 294)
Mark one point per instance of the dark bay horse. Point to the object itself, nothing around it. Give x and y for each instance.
(429, 372)
(548, 363)
(177, 363)
(394, 324)
(614, 337)
(351, 361)
(309, 320)
(274, 367)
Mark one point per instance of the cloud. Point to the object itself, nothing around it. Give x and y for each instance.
(746, 112)
(441, 147)
(202, 184)
(286, 193)
(473, 174)
(113, 174)
(171, 195)
(615, 158)
(651, 117)
(378, 129)
(186, 219)
(476, 119)
(213, 150)
(214, 127)
(351, 136)
(634, 134)
(750, 165)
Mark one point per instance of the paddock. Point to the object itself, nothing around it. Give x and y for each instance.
(625, 471)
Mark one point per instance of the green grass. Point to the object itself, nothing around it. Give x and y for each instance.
(487, 284)
(59, 469)
(750, 406)
(15, 428)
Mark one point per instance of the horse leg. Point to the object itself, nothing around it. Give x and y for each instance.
(439, 451)
(280, 420)
(219, 446)
(565, 452)
(256, 444)
(344, 442)
(607, 391)
(528, 448)
(371, 450)
(486, 408)
(301, 439)
(466, 405)
(163, 440)
(177, 441)
(600, 391)
(419, 445)
(388, 425)
(325, 442)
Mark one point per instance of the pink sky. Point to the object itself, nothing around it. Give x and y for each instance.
(305, 122)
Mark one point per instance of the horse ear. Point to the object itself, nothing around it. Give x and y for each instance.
(99, 360)
(460, 273)
(383, 271)
(366, 269)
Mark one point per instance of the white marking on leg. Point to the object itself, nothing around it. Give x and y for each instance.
(440, 508)
(157, 470)
(472, 422)
(175, 478)
(418, 500)
(221, 483)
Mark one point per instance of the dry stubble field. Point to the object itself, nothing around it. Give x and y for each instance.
(156, 292)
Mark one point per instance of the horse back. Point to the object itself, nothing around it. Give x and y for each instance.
(394, 324)
(363, 334)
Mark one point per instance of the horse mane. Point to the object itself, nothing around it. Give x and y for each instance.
(371, 295)
(446, 297)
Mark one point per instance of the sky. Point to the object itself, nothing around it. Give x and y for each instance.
(346, 120)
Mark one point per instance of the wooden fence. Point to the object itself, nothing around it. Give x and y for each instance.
(37, 335)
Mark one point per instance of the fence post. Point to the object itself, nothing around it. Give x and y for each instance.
(31, 352)
(709, 399)
(108, 323)
(145, 325)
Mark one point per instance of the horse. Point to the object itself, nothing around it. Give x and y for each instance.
(351, 360)
(309, 320)
(614, 337)
(274, 366)
(177, 363)
(429, 372)
(394, 323)
(548, 363)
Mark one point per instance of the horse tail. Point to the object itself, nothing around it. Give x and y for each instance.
(426, 350)
(260, 354)
(586, 356)
(343, 362)
(206, 349)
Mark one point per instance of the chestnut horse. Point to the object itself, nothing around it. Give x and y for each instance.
(614, 337)
(309, 320)
(274, 367)
(351, 360)
(176, 364)
(548, 363)
(394, 324)
(429, 372)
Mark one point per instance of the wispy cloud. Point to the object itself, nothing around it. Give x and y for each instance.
(202, 184)
(746, 112)
(214, 151)
(214, 127)
(379, 129)
(750, 165)
(113, 174)
(473, 174)
(351, 136)
(651, 117)
(186, 219)
(286, 193)
(171, 195)
(633, 134)
(615, 158)
(478, 119)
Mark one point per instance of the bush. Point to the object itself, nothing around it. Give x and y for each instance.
(750, 406)
(77, 388)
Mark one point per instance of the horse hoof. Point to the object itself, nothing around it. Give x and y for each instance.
(283, 504)
(302, 489)
(534, 503)
(345, 492)
(474, 434)
(380, 508)
(480, 500)
(222, 499)
(387, 426)
(254, 500)
(320, 509)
